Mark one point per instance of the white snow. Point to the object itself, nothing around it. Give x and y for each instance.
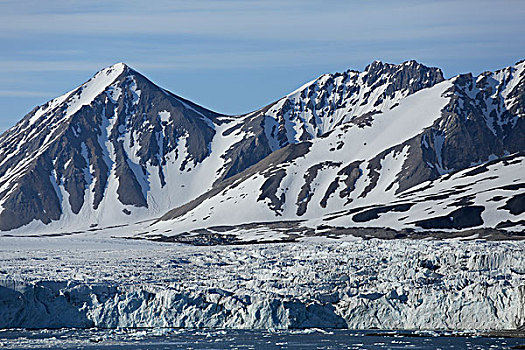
(114, 92)
(52, 105)
(86, 93)
(164, 116)
(134, 90)
(348, 142)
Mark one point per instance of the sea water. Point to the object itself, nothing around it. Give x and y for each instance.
(166, 338)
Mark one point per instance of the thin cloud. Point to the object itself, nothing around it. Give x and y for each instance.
(358, 21)
(10, 66)
(51, 45)
(26, 93)
(51, 52)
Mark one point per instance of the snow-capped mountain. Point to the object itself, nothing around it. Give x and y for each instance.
(119, 149)
(413, 165)
(321, 105)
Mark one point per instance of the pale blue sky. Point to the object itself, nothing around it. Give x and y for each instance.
(234, 56)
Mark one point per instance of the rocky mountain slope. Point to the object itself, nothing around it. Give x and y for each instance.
(446, 157)
(114, 150)
(393, 146)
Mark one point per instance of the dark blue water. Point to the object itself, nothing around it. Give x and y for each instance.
(247, 339)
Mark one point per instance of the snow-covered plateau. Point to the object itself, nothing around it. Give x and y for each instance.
(357, 284)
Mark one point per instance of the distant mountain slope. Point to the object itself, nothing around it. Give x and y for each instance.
(454, 125)
(334, 99)
(120, 149)
(117, 146)
(321, 105)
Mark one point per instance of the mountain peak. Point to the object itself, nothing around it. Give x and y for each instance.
(113, 70)
(377, 64)
(119, 65)
(411, 63)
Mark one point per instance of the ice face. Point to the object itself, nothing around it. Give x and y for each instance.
(360, 284)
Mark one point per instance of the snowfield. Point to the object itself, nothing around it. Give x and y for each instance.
(357, 284)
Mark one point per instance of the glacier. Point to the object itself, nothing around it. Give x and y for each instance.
(324, 283)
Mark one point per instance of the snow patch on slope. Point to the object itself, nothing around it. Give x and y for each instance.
(86, 93)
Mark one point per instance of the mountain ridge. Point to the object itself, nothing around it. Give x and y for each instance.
(120, 149)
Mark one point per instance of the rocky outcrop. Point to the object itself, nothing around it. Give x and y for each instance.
(335, 99)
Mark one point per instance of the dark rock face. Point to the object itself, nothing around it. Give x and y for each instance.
(269, 191)
(351, 173)
(410, 75)
(461, 218)
(469, 131)
(247, 152)
(129, 190)
(374, 213)
(416, 168)
(516, 205)
(480, 120)
(34, 192)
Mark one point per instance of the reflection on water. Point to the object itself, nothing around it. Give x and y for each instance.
(167, 338)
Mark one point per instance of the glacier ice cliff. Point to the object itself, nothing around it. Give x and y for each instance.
(357, 284)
